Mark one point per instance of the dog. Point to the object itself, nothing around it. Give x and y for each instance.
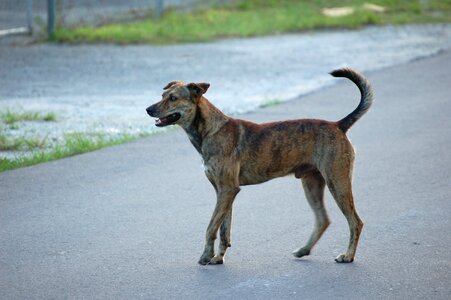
(238, 152)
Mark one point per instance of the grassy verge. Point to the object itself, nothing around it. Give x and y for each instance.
(32, 149)
(10, 117)
(257, 17)
(74, 143)
(21, 143)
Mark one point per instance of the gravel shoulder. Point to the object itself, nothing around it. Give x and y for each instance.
(104, 88)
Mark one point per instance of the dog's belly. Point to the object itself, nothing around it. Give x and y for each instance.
(250, 176)
(272, 162)
(277, 149)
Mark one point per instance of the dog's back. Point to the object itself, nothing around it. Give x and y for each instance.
(270, 150)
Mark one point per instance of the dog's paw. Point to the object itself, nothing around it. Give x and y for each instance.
(301, 252)
(205, 259)
(343, 258)
(217, 260)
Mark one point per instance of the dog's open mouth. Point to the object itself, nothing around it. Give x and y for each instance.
(168, 120)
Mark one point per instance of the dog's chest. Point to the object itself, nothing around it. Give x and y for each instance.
(208, 169)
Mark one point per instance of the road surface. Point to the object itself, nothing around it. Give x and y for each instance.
(128, 222)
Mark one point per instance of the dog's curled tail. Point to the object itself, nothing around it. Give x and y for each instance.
(366, 96)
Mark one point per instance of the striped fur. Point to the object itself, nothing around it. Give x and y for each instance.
(366, 96)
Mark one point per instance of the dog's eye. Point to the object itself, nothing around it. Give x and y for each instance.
(172, 98)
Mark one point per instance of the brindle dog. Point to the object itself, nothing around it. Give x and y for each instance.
(238, 152)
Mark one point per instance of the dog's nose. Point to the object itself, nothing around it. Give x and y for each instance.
(149, 110)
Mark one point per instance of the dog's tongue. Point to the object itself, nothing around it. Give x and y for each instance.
(160, 121)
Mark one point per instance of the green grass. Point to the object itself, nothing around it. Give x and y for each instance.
(8, 144)
(271, 102)
(10, 117)
(21, 143)
(74, 143)
(32, 149)
(255, 18)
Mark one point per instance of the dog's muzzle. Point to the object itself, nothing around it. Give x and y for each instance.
(168, 120)
(163, 121)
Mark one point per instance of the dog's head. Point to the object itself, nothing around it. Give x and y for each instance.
(178, 103)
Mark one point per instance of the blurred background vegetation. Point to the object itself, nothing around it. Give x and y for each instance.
(246, 18)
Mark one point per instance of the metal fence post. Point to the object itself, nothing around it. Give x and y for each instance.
(159, 8)
(50, 18)
(30, 16)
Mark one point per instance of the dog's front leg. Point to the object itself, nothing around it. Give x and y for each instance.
(224, 234)
(223, 209)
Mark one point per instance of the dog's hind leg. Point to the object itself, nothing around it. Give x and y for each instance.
(341, 190)
(314, 184)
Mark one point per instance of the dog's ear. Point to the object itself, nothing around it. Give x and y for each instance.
(198, 89)
(171, 84)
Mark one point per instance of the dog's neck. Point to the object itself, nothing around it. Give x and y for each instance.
(206, 122)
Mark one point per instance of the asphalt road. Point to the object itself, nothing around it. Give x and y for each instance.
(128, 222)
